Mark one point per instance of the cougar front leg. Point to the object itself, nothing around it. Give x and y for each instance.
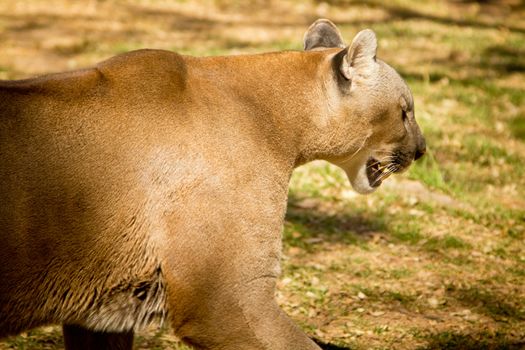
(229, 303)
(243, 317)
(220, 266)
(79, 338)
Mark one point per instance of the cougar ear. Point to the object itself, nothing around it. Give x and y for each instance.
(361, 54)
(322, 34)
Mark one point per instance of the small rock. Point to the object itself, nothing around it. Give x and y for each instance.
(377, 313)
(285, 281)
(307, 203)
(294, 251)
(311, 295)
(349, 194)
(361, 295)
(465, 312)
(487, 249)
(412, 200)
(433, 302)
(416, 212)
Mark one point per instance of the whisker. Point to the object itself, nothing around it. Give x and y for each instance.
(359, 149)
(386, 173)
(380, 169)
(385, 160)
(373, 164)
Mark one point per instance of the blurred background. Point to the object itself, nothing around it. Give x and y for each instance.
(433, 260)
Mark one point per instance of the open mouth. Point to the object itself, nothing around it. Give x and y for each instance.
(376, 172)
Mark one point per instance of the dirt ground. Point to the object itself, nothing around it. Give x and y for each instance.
(436, 258)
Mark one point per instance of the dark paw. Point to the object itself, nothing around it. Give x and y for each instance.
(326, 346)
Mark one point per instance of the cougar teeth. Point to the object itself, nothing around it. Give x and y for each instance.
(374, 172)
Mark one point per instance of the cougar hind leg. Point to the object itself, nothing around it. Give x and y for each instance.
(79, 338)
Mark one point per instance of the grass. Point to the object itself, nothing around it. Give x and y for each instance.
(435, 258)
(452, 340)
(517, 126)
(427, 171)
(446, 243)
(43, 338)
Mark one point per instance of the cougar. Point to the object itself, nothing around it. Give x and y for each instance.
(153, 186)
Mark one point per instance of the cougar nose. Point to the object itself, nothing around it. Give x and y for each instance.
(421, 149)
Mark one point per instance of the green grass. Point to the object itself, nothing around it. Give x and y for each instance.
(400, 273)
(407, 231)
(517, 126)
(427, 171)
(37, 339)
(445, 243)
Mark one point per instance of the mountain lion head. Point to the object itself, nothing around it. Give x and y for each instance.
(375, 108)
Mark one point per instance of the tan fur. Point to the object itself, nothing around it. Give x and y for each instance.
(155, 184)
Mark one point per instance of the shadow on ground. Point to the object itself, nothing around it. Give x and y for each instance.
(474, 341)
(397, 12)
(489, 301)
(316, 223)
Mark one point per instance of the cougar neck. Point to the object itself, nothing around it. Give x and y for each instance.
(289, 98)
